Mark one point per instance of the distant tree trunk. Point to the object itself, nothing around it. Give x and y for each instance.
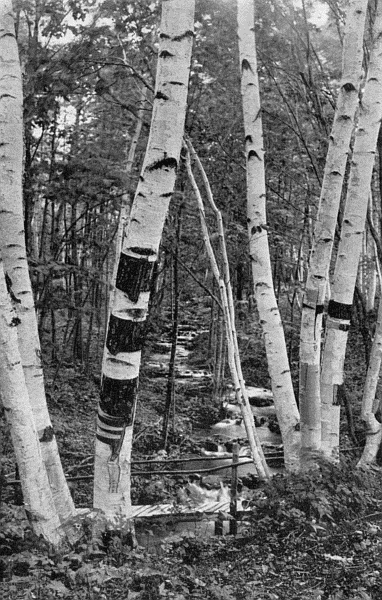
(170, 391)
(239, 282)
(12, 245)
(326, 221)
(285, 403)
(129, 305)
(38, 501)
(77, 285)
(349, 249)
(218, 373)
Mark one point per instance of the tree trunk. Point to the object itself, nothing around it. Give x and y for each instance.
(38, 501)
(170, 391)
(219, 351)
(228, 316)
(77, 285)
(285, 403)
(129, 305)
(350, 245)
(326, 221)
(12, 243)
(125, 208)
(371, 255)
(370, 403)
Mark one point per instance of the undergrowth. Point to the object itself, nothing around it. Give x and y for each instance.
(313, 536)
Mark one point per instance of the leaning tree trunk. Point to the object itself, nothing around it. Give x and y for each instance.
(225, 289)
(285, 403)
(12, 245)
(370, 403)
(129, 305)
(326, 221)
(350, 246)
(38, 501)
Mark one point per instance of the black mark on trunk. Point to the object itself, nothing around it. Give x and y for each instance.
(134, 274)
(125, 335)
(168, 162)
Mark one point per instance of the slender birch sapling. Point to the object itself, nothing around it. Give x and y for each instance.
(277, 357)
(229, 323)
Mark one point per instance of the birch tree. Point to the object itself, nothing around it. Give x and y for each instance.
(12, 246)
(226, 297)
(350, 246)
(129, 305)
(38, 501)
(326, 220)
(278, 365)
(370, 403)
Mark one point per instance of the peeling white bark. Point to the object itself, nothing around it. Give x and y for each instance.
(129, 304)
(12, 245)
(370, 403)
(278, 364)
(350, 246)
(326, 220)
(38, 501)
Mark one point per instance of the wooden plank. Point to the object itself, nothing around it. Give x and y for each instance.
(165, 510)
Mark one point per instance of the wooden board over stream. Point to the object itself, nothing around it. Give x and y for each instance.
(210, 507)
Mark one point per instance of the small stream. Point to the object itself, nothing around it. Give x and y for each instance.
(226, 430)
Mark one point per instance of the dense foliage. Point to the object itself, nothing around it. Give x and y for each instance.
(310, 537)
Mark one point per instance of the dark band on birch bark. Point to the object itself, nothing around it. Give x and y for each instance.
(110, 430)
(134, 276)
(258, 229)
(124, 335)
(164, 163)
(118, 397)
(336, 325)
(245, 65)
(107, 421)
(183, 36)
(253, 154)
(337, 310)
(46, 435)
(114, 443)
(166, 54)
(161, 96)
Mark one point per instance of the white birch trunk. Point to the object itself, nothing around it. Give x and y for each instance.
(278, 365)
(12, 245)
(140, 246)
(371, 273)
(126, 197)
(370, 403)
(350, 246)
(38, 501)
(326, 220)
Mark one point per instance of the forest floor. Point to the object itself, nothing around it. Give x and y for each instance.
(316, 536)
